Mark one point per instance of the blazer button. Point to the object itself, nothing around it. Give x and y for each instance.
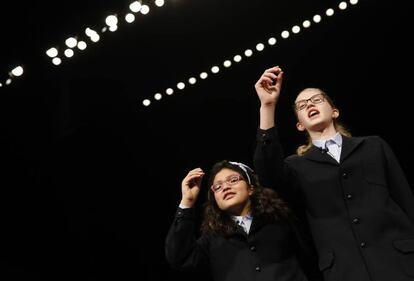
(252, 248)
(258, 268)
(344, 175)
(349, 196)
(355, 220)
(363, 244)
(265, 137)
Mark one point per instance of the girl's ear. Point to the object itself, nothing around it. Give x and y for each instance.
(335, 113)
(251, 189)
(300, 127)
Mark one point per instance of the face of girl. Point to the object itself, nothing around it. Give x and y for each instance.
(313, 111)
(232, 192)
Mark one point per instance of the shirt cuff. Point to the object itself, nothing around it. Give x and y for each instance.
(182, 206)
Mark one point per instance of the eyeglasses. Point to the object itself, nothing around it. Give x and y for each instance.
(315, 99)
(231, 180)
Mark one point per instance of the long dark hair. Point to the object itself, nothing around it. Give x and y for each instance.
(265, 203)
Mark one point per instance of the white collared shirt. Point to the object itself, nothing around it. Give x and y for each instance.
(332, 145)
(244, 221)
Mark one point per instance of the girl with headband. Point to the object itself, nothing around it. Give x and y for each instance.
(247, 232)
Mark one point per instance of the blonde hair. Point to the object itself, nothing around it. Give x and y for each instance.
(302, 149)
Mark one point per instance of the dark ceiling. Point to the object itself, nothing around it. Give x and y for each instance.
(91, 177)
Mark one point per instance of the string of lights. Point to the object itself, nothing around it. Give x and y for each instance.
(285, 34)
(74, 44)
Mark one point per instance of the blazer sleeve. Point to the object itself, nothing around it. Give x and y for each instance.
(268, 158)
(183, 251)
(272, 167)
(400, 190)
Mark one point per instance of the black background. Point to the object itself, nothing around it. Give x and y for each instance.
(90, 178)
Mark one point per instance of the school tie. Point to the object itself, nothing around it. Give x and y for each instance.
(333, 149)
(242, 224)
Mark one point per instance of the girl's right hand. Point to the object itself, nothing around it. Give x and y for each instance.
(190, 187)
(269, 85)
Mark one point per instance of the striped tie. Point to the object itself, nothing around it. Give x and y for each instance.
(241, 223)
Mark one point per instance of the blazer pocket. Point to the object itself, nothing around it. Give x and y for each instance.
(373, 172)
(406, 247)
(326, 260)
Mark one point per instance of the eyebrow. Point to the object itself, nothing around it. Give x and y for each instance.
(309, 97)
(229, 176)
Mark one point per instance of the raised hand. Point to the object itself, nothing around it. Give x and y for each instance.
(190, 187)
(269, 85)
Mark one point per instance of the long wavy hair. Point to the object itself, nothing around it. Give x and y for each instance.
(339, 127)
(265, 203)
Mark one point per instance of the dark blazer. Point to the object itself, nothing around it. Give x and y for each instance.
(360, 211)
(267, 253)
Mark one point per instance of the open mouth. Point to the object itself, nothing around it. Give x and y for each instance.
(312, 113)
(229, 195)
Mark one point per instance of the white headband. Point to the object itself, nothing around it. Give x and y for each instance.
(244, 167)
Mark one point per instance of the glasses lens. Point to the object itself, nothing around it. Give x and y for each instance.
(216, 187)
(300, 105)
(317, 98)
(230, 181)
(233, 180)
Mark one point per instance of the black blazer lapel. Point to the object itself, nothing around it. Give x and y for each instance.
(256, 224)
(315, 154)
(349, 145)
